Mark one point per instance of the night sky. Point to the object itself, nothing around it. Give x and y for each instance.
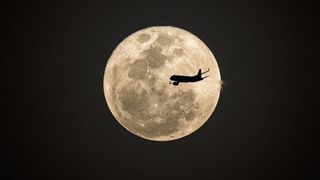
(56, 123)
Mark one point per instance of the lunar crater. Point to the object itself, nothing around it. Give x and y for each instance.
(138, 69)
(165, 39)
(154, 57)
(144, 37)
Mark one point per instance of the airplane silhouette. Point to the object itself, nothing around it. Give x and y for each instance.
(186, 79)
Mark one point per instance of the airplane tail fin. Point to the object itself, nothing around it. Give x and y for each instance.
(199, 72)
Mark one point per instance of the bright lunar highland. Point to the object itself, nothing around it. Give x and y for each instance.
(137, 89)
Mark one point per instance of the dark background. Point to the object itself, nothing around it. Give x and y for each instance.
(57, 125)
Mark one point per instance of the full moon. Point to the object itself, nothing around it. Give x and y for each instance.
(137, 89)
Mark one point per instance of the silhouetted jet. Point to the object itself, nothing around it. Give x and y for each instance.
(186, 79)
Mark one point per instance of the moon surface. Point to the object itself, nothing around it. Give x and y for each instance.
(137, 89)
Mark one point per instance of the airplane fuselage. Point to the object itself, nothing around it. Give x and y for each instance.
(185, 78)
